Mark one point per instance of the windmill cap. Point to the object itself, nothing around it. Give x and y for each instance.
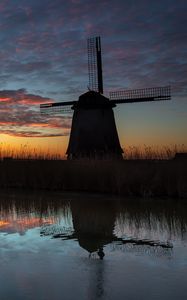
(92, 99)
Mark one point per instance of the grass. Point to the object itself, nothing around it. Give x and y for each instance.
(24, 151)
(150, 152)
(131, 152)
(141, 173)
(142, 178)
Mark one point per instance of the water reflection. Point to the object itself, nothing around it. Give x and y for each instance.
(54, 235)
(95, 222)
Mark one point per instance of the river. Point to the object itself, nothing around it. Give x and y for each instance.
(79, 246)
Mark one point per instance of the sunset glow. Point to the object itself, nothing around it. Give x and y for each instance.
(23, 224)
(43, 63)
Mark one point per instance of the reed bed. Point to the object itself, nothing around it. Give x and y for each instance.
(153, 152)
(139, 178)
(144, 172)
(25, 151)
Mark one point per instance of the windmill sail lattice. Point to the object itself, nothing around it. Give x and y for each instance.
(57, 107)
(141, 95)
(93, 131)
(95, 65)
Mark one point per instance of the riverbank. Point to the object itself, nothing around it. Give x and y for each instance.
(144, 178)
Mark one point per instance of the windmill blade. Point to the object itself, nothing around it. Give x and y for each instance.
(145, 242)
(57, 107)
(141, 95)
(95, 64)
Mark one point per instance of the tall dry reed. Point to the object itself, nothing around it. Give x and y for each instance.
(153, 152)
(25, 151)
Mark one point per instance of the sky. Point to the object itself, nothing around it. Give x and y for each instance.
(43, 58)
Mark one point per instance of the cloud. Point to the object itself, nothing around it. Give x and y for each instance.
(43, 48)
(21, 96)
(45, 41)
(31, 134)
(20, 116)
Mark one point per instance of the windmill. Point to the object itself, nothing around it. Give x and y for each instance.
(93, 132)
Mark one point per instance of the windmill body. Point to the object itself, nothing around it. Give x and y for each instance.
(93, 132)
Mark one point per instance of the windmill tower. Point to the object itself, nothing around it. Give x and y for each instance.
(93, 132)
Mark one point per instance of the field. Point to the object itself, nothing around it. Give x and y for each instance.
(25, 151)
(145, 178)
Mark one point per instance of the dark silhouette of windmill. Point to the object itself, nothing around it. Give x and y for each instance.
(93, 228)
(93, 132)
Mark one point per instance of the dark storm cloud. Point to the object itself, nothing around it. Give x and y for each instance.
(54, 33)
(27, 68)
(43, 45)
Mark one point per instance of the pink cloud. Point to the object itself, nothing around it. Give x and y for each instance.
(23, 115)
(21, 96)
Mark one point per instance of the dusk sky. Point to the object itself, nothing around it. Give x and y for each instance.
(43, 58)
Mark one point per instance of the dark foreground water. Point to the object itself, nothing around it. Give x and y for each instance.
(63, 246)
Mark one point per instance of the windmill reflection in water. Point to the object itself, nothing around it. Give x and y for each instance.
(94, 228)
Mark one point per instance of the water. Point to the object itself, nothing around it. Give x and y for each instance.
(68, 246)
